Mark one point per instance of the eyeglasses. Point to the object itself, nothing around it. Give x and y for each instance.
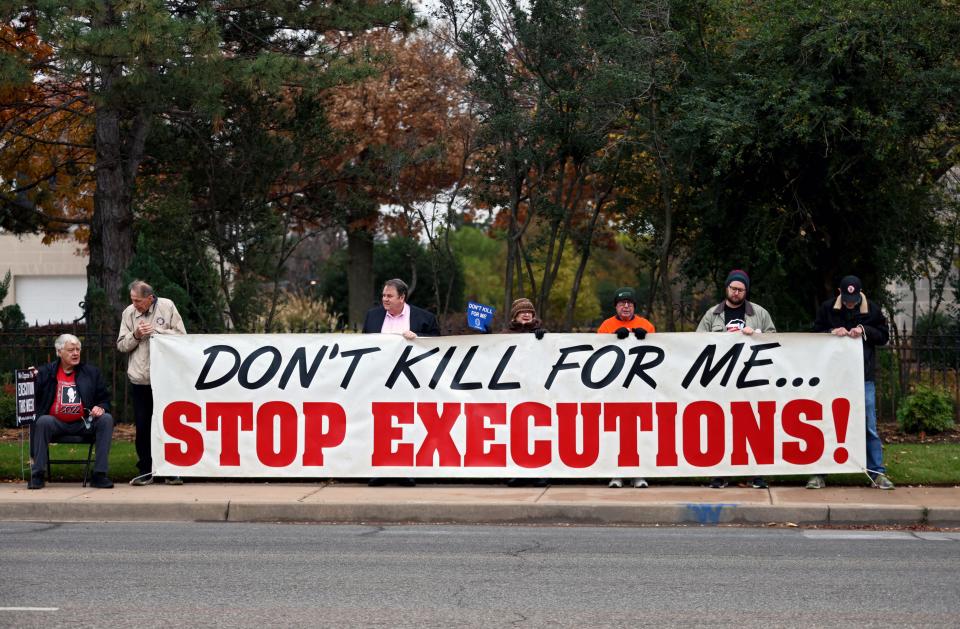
(734, 289)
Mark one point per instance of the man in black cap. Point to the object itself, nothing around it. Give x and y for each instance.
(852, 316)
(736, 314)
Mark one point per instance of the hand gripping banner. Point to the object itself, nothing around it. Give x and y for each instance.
(506, 405)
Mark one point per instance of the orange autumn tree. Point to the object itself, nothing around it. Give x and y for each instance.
(46, 150)
(408, 135)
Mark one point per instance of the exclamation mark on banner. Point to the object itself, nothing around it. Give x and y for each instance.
(841, 417)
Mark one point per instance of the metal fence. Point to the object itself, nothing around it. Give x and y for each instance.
(931, 359)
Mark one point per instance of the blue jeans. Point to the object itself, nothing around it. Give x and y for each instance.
(874, 445)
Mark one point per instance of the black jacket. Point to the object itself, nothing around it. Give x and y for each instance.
(422, 323)
(90, 386)
(833, 314)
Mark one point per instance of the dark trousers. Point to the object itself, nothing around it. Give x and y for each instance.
(47, 427)
(142, 396)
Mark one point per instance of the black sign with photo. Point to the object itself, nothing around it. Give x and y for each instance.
(26, 396)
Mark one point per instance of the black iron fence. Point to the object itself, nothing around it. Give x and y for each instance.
(931, 359)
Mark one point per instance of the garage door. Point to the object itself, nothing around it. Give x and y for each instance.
(51, 299)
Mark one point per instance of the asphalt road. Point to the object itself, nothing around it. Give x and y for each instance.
(212, 575)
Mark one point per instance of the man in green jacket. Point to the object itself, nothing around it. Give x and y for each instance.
(736, 314)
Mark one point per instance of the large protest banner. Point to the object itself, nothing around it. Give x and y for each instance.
(567, 406)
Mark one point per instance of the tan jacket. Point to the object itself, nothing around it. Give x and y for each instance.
(165, 319)
(756, 318)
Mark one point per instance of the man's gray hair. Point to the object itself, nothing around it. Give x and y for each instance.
(63, 339)
(141, 288)
(398, 284)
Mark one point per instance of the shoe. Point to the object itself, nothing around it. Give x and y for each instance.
(718, 483)
(173, 480)
(540, 482)
(100, 481)
(36, 481)
(615, 483)
(407, 482)
(817, 481)
(143, 479)
(759, 483)
(640, 483)
(376, 482)
(882, 482)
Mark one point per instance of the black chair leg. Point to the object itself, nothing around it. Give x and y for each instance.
(86, 468)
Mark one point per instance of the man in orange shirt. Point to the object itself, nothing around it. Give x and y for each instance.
(620, 324)
(626, 319)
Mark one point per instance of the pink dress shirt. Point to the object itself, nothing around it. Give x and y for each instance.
(397, 324)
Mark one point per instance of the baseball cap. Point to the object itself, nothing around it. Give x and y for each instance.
(850, 289)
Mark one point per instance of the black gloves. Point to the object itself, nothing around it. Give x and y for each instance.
(640, 333)
(539, 332)
(622, 333)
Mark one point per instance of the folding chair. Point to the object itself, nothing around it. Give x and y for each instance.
(85, 438)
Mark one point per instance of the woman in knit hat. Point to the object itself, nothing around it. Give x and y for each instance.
(523, 318)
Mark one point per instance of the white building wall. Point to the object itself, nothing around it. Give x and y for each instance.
(48, 281)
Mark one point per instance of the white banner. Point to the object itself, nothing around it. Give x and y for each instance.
(506, 405)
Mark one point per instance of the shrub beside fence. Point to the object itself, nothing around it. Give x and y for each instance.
(932, 360)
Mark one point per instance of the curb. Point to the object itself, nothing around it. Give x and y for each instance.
(696, 514)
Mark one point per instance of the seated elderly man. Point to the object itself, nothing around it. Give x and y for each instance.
(67, 390)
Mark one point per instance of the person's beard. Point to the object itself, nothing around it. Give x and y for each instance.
(737, 299)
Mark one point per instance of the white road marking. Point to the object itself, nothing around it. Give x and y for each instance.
(939, 537)
(29, 609)
(861, 535)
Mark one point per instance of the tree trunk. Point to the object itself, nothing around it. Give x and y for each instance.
(111, 228)
(360, 280)
(119, 149)
(585, 250)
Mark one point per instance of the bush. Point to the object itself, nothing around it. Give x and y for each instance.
(928, 409)
(8, 409)
(297, 312)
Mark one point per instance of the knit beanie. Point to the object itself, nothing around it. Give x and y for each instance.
(737, 275)
(624, 294)
(521, 305)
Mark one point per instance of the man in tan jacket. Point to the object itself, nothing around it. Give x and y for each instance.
(146, 315)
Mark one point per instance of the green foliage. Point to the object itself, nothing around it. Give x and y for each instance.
(172, 256)
(11, 317)
(98, 313)
(406, 259)
(817, 133)
(8, 408)
(482, 259)
(409, 260)
(928, 409)
(555, 81)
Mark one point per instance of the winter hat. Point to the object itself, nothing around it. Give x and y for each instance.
(624, 294)
(521, 305)
(850, 289)
(738, 275)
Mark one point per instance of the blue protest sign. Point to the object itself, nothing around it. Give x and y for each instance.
(479, 316)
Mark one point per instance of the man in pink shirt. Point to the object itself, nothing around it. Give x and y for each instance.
(395, 316)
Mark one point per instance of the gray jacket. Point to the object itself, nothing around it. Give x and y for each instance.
(755, 317)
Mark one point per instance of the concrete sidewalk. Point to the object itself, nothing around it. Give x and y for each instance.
(473, 504)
